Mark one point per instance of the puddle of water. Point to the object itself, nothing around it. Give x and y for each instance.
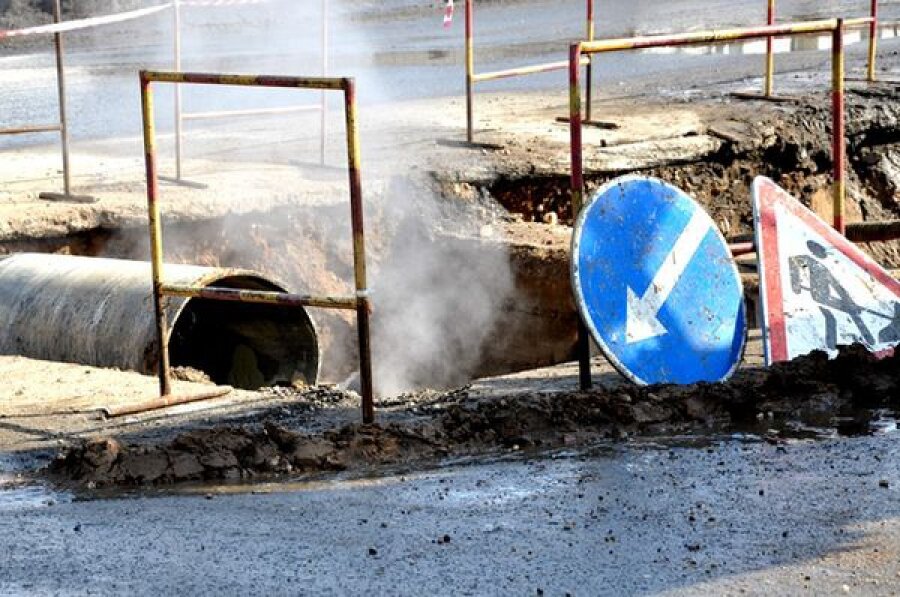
(784, 45)
(28, 497)
(17, 493)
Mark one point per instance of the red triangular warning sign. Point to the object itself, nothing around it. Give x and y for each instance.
(818, 290)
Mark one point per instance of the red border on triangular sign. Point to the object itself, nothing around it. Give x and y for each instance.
(766, 195)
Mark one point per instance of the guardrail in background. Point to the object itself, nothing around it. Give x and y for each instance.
(769, 80)
(62, 127)
(472, 77)
(58, 27)
(360, 302)
(181, 116)
(578, 50)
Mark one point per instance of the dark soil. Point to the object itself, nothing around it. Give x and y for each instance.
(811, 391)
(792, 146)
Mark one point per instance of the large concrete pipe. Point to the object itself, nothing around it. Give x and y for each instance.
(100, 312)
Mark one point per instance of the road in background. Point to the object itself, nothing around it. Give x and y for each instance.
(397, 50)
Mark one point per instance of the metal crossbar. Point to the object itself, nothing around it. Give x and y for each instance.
(360, 302)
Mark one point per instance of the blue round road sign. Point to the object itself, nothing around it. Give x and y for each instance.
(656, 285)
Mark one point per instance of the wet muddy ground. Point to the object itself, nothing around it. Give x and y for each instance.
(809, 397)
(717, 516)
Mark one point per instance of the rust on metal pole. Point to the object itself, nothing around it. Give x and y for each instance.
(742, 248)
(712, 36)
(335, 83)
(164, 401)
(583, 347)
(873, 42)
(323, 117)
(363, 305)
(837, 126)
(470, 72)
(879, 231)
(236, 295)
(176, 11)
(589, 75)
(770, 52)
(61, 91)
(165, 382)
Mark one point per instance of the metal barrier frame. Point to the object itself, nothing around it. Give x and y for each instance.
(360, 302)
(181, 116)
(577, 50)
(769, 80)
(62, 127)
(472, 77)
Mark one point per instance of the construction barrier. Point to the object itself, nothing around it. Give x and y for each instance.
(360, 302)
(62, 127)
(472, 77)
(181, 116)
(872, 22)
(578, 50)
(58, 27)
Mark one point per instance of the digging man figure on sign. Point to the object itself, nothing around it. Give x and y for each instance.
(827, 292)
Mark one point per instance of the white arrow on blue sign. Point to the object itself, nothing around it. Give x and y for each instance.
(656, 285)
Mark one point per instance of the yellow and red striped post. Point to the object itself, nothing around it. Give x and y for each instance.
(837, 107)
(363, 305)
(873, 42)
(583, 346)
(589, 75)
(770, 52)
(156, 261)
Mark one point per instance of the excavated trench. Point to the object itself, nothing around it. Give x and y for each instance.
(809, 397)
(795, 152)
(309, 250)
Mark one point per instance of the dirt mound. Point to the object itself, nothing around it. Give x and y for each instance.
(811, 390)
(237, 453)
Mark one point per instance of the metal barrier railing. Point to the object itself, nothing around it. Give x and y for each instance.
(578, 50)
(56, 29)
(472, 77)
(360, 302)
(769, 80)
(181, 116)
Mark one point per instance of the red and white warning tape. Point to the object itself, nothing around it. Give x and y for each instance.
(448, 14)
(84, 23)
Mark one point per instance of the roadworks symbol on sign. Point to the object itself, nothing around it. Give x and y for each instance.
(818, 291)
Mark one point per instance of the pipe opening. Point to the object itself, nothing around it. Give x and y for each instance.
(246, 345)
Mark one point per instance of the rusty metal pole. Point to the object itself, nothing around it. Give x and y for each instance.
(323, 130)
(165, 382)
(179, 121)
(589, 76)
(363, 304)
(838, 142)
(583, 347)
(470, 72)
(873, 42)
(770, 52)
(61, 90)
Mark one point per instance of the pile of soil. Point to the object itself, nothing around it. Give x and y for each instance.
(810, 390)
